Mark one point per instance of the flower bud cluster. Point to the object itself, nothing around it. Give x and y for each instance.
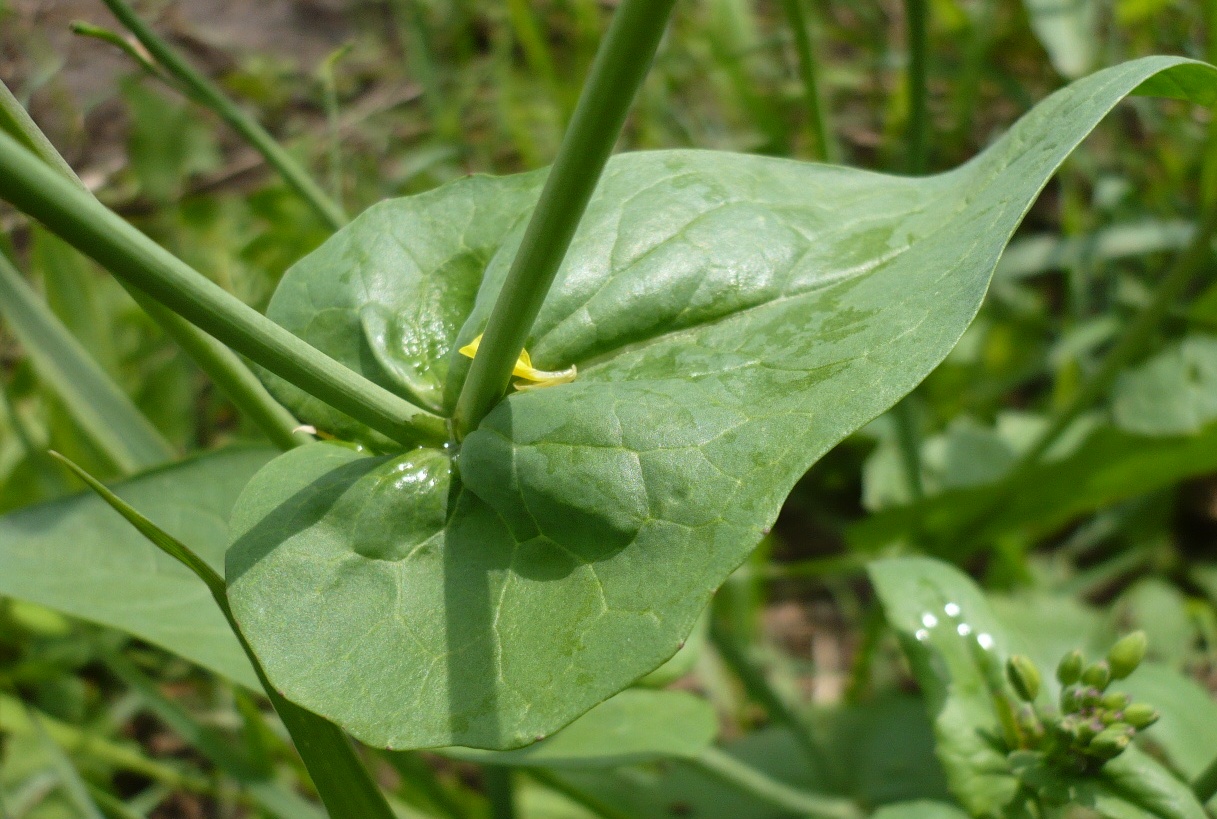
(1093, 724)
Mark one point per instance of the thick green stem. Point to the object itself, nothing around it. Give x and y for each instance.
(620, 66)
(728, 769)
(916, 13)
(85, 223)
(205, 92)
(825, 146)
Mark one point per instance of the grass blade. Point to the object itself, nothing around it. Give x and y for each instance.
(70, 781)
(825, 146)
(109, 417)
(269, 794)
(203, 91)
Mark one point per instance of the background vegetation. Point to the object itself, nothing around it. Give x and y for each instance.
(390, 97)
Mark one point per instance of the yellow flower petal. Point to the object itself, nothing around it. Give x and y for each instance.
(524, 369)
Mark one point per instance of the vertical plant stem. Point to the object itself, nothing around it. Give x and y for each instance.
(500, 791)
(329, 90)
(206, 93)
(825, 145)
(622, 62)
(908, 440)
(85, 223)
(916, 13)
(728, 769)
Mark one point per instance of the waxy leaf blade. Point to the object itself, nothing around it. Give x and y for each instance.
(732, 318)
(941, 618)
(387, 295)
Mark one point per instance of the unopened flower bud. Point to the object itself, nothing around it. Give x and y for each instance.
(1110, 742)
(1097, 675)
(1067, 729)
(1090, 697)
(1141, 715)
(1127, 654)
(1089, 729)
(1024, 676)
(1071, 699)
(1116, 701)
(1070, 669)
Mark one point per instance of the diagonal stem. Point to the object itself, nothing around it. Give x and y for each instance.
(221, 364)
(345, 786)
(77, 217)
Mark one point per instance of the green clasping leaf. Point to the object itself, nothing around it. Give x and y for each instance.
(941, 617)
(731, 319)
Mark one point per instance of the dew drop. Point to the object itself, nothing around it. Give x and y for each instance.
(963, 629)
(928, 620)
(952, 609)
(985, 640)
(922, 635)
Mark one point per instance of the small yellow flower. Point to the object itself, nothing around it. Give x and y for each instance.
(524, 370)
